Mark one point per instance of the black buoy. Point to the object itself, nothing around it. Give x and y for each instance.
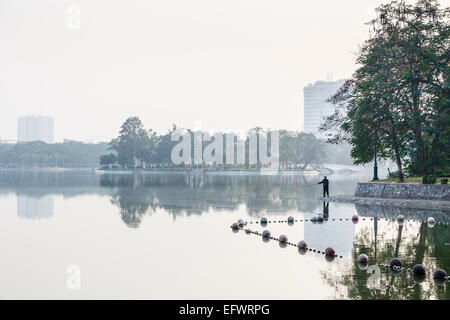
(290, 220)
(395, 263)
(440, 274)
(302, 245)
(248, 231)
(355, 219)
(263, 221)
(320, 218)
(330, 252)
(363, 259)
(266, 234)
(241, 223)
(418, 270)
(283, 238)
(235, 226)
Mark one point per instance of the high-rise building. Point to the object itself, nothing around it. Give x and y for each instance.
(32, 128)
(315, 106)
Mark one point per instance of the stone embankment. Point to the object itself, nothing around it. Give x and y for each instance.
(405, 195)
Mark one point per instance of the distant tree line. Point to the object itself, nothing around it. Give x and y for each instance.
(69, 154)
(397, 103)
(136, 147)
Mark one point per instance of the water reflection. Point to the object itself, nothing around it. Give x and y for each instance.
(136, 197)
(318, 235)
(35, 207)
(414, 243)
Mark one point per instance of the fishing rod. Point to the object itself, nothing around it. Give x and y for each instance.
(309, 185)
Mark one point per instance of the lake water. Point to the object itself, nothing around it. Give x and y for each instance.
(78, 235)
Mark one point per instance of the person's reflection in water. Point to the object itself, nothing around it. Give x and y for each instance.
(325, 209)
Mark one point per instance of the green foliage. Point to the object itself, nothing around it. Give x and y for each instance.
(68, 154)
(108, 160)
(393, 175)
(302, 148)
(397, 103)
(429, 179)
(133, 143)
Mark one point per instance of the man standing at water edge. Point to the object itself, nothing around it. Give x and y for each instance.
(325, 183)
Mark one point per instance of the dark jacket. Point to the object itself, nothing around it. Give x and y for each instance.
(325, 182)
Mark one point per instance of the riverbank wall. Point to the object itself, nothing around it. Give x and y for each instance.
(403, 191)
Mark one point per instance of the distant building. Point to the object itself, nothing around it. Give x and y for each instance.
(35, 207)
(32, 128)
(315, 105)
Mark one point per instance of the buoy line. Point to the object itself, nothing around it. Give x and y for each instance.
(355, 219)
(418, 271)
(302, 246)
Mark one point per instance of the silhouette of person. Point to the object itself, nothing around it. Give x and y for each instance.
(325, 183)
(325, 209)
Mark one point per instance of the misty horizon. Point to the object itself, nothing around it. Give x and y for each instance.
(223, 67)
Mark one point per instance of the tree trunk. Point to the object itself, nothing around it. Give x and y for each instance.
(401, 178)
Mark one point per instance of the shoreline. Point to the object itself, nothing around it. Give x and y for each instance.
(397, 203)
(207, 172)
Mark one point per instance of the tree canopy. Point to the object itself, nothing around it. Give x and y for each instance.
(396, 105)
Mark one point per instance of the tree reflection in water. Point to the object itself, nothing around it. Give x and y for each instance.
(413, 243)
(137, 195)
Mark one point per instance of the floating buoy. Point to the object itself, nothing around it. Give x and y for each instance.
(400, 219)
(235, 226)
(283, 239)
(330, 252)
(248, 231)
(320, 218)
(440, 274)
(363, 259)
(302, 245)
(355, 218)
(418, 270)
(266, 234)
(395, 263)
(431, 222)
(241, 223)
(290, 220)
(263, 220)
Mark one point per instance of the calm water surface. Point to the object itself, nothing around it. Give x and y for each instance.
(168, 236)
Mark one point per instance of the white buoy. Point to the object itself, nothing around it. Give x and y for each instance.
(431, 222)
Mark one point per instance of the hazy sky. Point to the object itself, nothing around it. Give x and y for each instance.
(228, 65)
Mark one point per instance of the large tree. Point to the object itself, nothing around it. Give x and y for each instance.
(131, 143)
(396, 104)
(301, 148)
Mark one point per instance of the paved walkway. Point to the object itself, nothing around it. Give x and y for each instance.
(402, 203)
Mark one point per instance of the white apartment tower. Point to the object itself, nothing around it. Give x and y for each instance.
(315, 106)
(32, 128)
